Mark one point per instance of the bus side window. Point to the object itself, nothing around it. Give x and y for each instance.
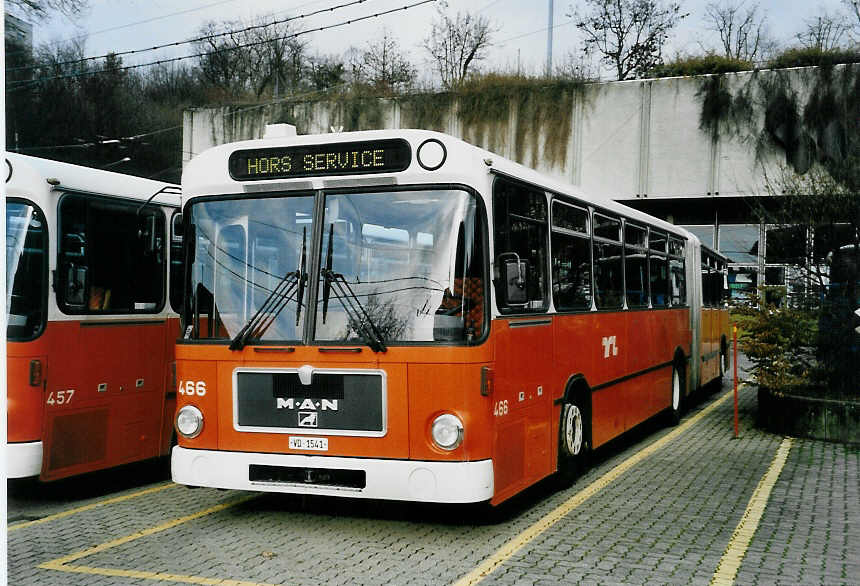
(635, 266)
(658, 271)
(111, 257)
(677, 272)
(177, 263)
(521, 247)
(608, 269)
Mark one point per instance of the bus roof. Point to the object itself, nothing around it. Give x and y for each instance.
(208, 173)
(21, 169)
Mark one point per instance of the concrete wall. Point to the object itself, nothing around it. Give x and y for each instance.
(620, 140)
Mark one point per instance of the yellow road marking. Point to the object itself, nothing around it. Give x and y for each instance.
(157, 576)
(61, 563)
(75, 511)
(144, 533)
(729, 564)
(514, 545)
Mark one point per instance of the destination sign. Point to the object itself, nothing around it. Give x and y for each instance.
(349, 158)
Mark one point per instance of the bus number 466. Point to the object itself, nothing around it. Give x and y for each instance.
(191, 388)
(500, 409)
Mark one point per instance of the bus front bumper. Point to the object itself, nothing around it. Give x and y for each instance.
(411, 480)
(23, 459)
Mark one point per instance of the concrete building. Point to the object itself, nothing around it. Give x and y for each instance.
(18, 31)
(705, 152)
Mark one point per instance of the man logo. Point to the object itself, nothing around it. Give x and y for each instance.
(307, 418)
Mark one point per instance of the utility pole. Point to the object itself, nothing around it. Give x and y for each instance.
(549, 42)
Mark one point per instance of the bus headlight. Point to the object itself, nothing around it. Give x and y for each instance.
(189, 421)
(447, 431)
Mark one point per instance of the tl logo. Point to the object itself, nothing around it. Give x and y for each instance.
(609, 346)
(307, 418)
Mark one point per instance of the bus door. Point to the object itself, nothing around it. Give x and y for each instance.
(26, 306)
(524, 441)
(106, 392)
(522, 402)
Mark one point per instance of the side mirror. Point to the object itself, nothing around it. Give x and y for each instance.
(514, 276)
(75, 286)
(147, 234)
(74, 245)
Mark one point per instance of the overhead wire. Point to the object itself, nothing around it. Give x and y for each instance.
(131, 24)
(18, 84)
(124, 139)
(189, 41)
(544, 29)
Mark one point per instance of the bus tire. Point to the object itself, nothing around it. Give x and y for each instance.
(677, 394)
(724, 360)
(572, 442)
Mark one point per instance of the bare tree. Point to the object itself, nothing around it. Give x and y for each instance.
(853, 7)
(326, 72)
(224, 66)
(385, 66)
(824, 32)
(743, 33)
(458, 43)
(629, 34)
(251, 58)
(575, 66)
(280, 57)
(40, 9)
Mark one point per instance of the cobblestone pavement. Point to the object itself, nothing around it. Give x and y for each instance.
(667, 518)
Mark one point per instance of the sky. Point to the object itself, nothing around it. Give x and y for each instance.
(520, 40)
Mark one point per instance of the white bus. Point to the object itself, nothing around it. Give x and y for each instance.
(93, 262)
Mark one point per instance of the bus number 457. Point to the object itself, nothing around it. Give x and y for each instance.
(191, 388)
(60, 397)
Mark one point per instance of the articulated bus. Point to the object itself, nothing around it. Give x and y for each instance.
(401, 315)
(90, 259)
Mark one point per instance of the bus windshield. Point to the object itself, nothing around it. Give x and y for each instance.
(392, 266)
(26, 244)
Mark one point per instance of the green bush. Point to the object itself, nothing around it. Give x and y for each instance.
(700, 65)
(778, 339)
(811, 349)
(808, 57)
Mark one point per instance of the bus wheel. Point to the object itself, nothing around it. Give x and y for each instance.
(677, 396)
(724, 362)
(572, 445)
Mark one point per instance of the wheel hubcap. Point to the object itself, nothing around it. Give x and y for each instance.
(676, 390)
(573, 430)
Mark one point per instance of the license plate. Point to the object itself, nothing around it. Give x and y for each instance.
(319, 444)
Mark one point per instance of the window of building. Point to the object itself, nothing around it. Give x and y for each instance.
(111, 256)
(571, 258)
(831, 237)
(785, 244)
(740, 242)
(608, 265)
(743, 282)
(636, 265)
(520, 232)
(705, 233)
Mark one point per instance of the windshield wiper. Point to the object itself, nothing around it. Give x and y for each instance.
(363, 324)
(276, 301)
(303, 276)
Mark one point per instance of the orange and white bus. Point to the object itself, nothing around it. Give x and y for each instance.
(401, 315)
(90, 331)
